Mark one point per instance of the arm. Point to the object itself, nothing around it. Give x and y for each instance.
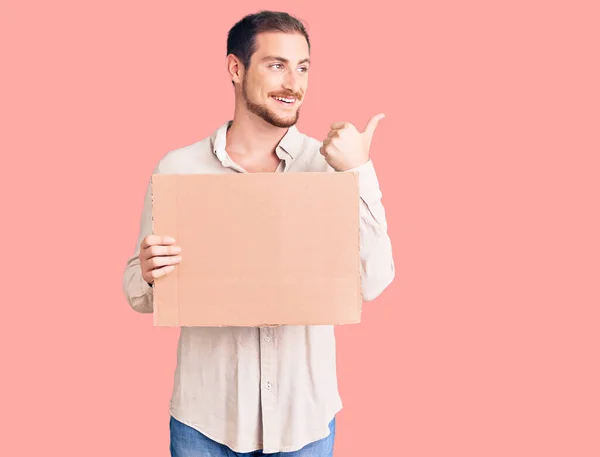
(376, 260)
(138, 292)
(347, 150)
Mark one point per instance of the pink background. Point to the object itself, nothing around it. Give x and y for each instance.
(487, 343)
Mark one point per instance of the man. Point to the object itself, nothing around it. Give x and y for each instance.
(255, 391)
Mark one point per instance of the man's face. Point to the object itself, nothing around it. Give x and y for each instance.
(278, 68)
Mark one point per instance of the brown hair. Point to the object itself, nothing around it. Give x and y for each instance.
(241, 40)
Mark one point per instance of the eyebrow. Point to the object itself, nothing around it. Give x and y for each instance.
(284, 60)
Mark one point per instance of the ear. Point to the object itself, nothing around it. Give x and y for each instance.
(234, 68)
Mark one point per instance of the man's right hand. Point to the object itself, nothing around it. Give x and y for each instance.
(158, 257)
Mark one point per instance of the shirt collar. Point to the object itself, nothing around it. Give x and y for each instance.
(288, 148)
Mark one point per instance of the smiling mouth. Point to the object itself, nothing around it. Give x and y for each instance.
(285, 101)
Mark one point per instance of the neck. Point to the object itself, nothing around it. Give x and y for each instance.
(251, 136)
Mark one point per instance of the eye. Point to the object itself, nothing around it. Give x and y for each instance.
(277, 65)
(304, 69)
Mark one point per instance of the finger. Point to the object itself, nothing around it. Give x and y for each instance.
(158, 250)
(339, 125)
(158, 262)
(160, 272)
(333, 133)
(152, 240)
(326, 141)
(372, 124)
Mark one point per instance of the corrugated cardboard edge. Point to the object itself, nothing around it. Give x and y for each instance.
(154, 307)
(359, 295)
(156, 303)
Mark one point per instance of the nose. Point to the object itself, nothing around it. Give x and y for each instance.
(292, 82)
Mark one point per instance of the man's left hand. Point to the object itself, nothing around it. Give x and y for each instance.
(345, 147)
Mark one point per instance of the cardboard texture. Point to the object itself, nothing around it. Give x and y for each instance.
(259, 249)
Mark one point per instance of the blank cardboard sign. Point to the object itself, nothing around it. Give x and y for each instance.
(259, 249)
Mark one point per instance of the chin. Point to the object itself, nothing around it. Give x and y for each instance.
(281, 121)
(276, 117)
(286, 121)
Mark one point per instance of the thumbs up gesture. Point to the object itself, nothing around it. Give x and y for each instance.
(345, 147)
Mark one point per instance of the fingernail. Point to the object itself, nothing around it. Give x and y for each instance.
(169, 239)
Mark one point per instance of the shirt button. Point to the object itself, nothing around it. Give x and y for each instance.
(267, 338)
(269, 386)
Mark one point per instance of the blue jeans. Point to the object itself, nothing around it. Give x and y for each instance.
(188, 442)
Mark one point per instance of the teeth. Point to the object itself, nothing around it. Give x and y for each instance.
(287, 100)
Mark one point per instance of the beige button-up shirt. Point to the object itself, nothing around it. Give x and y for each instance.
(270, 388)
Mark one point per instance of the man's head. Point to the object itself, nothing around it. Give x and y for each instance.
(267, 57)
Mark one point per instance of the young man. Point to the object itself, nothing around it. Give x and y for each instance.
(255, 391)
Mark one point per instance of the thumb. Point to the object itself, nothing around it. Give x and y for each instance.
(372, 124)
